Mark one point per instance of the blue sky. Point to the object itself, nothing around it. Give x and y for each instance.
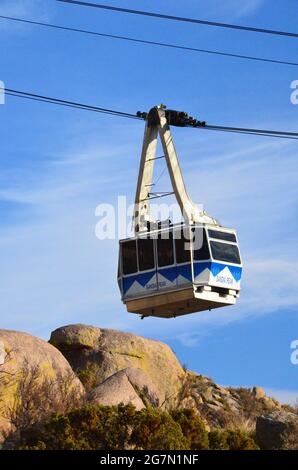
(58, 164)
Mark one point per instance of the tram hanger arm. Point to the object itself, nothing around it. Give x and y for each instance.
(157, 122)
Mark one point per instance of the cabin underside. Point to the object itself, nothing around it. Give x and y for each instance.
(182, 302)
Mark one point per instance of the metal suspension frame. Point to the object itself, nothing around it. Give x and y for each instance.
(157, 124)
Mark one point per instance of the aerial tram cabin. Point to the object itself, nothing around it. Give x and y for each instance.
(169, 270)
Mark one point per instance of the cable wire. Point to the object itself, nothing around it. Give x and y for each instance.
(246, 132)
(86, 107)
(147, 42)
(251, 131)
(183, 19)
(72, 104)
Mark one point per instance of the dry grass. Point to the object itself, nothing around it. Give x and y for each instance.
(243, 424)
(36, 397)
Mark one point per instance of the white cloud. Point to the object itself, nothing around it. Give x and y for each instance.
(231, 9)
(271, 284)
(244, 7)
(53, 269)
(39, 10)
(21, 7)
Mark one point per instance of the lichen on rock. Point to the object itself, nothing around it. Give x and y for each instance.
(75, 337)
(112, 351)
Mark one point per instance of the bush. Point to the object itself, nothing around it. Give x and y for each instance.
(192, 427)
(104, 427)
(90, 376)
(35, 396)
(238, 440)
(218, 440)
(95, 427)
(86, 428)
(231, 440)
(157, 430)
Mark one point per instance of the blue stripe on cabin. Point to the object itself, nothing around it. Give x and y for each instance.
(142, 279)
(169, 273)
(172, 273)
(185, 271)
(200, 267)
(236, 272)
(216, 268)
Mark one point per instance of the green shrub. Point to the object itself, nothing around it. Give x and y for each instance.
(218, 440)
(192, 427)
(157, 430)
(231, 440)
(90, 376)
(87, 428)
(103, 427)
(95, 427)
(168, 436)
(238, 440)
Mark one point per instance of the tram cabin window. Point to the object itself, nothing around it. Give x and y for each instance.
(146, 254)
(165, 249)
(202, 253)
(129, 257)
(225, 236)
(182, 248)
(225, 252)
